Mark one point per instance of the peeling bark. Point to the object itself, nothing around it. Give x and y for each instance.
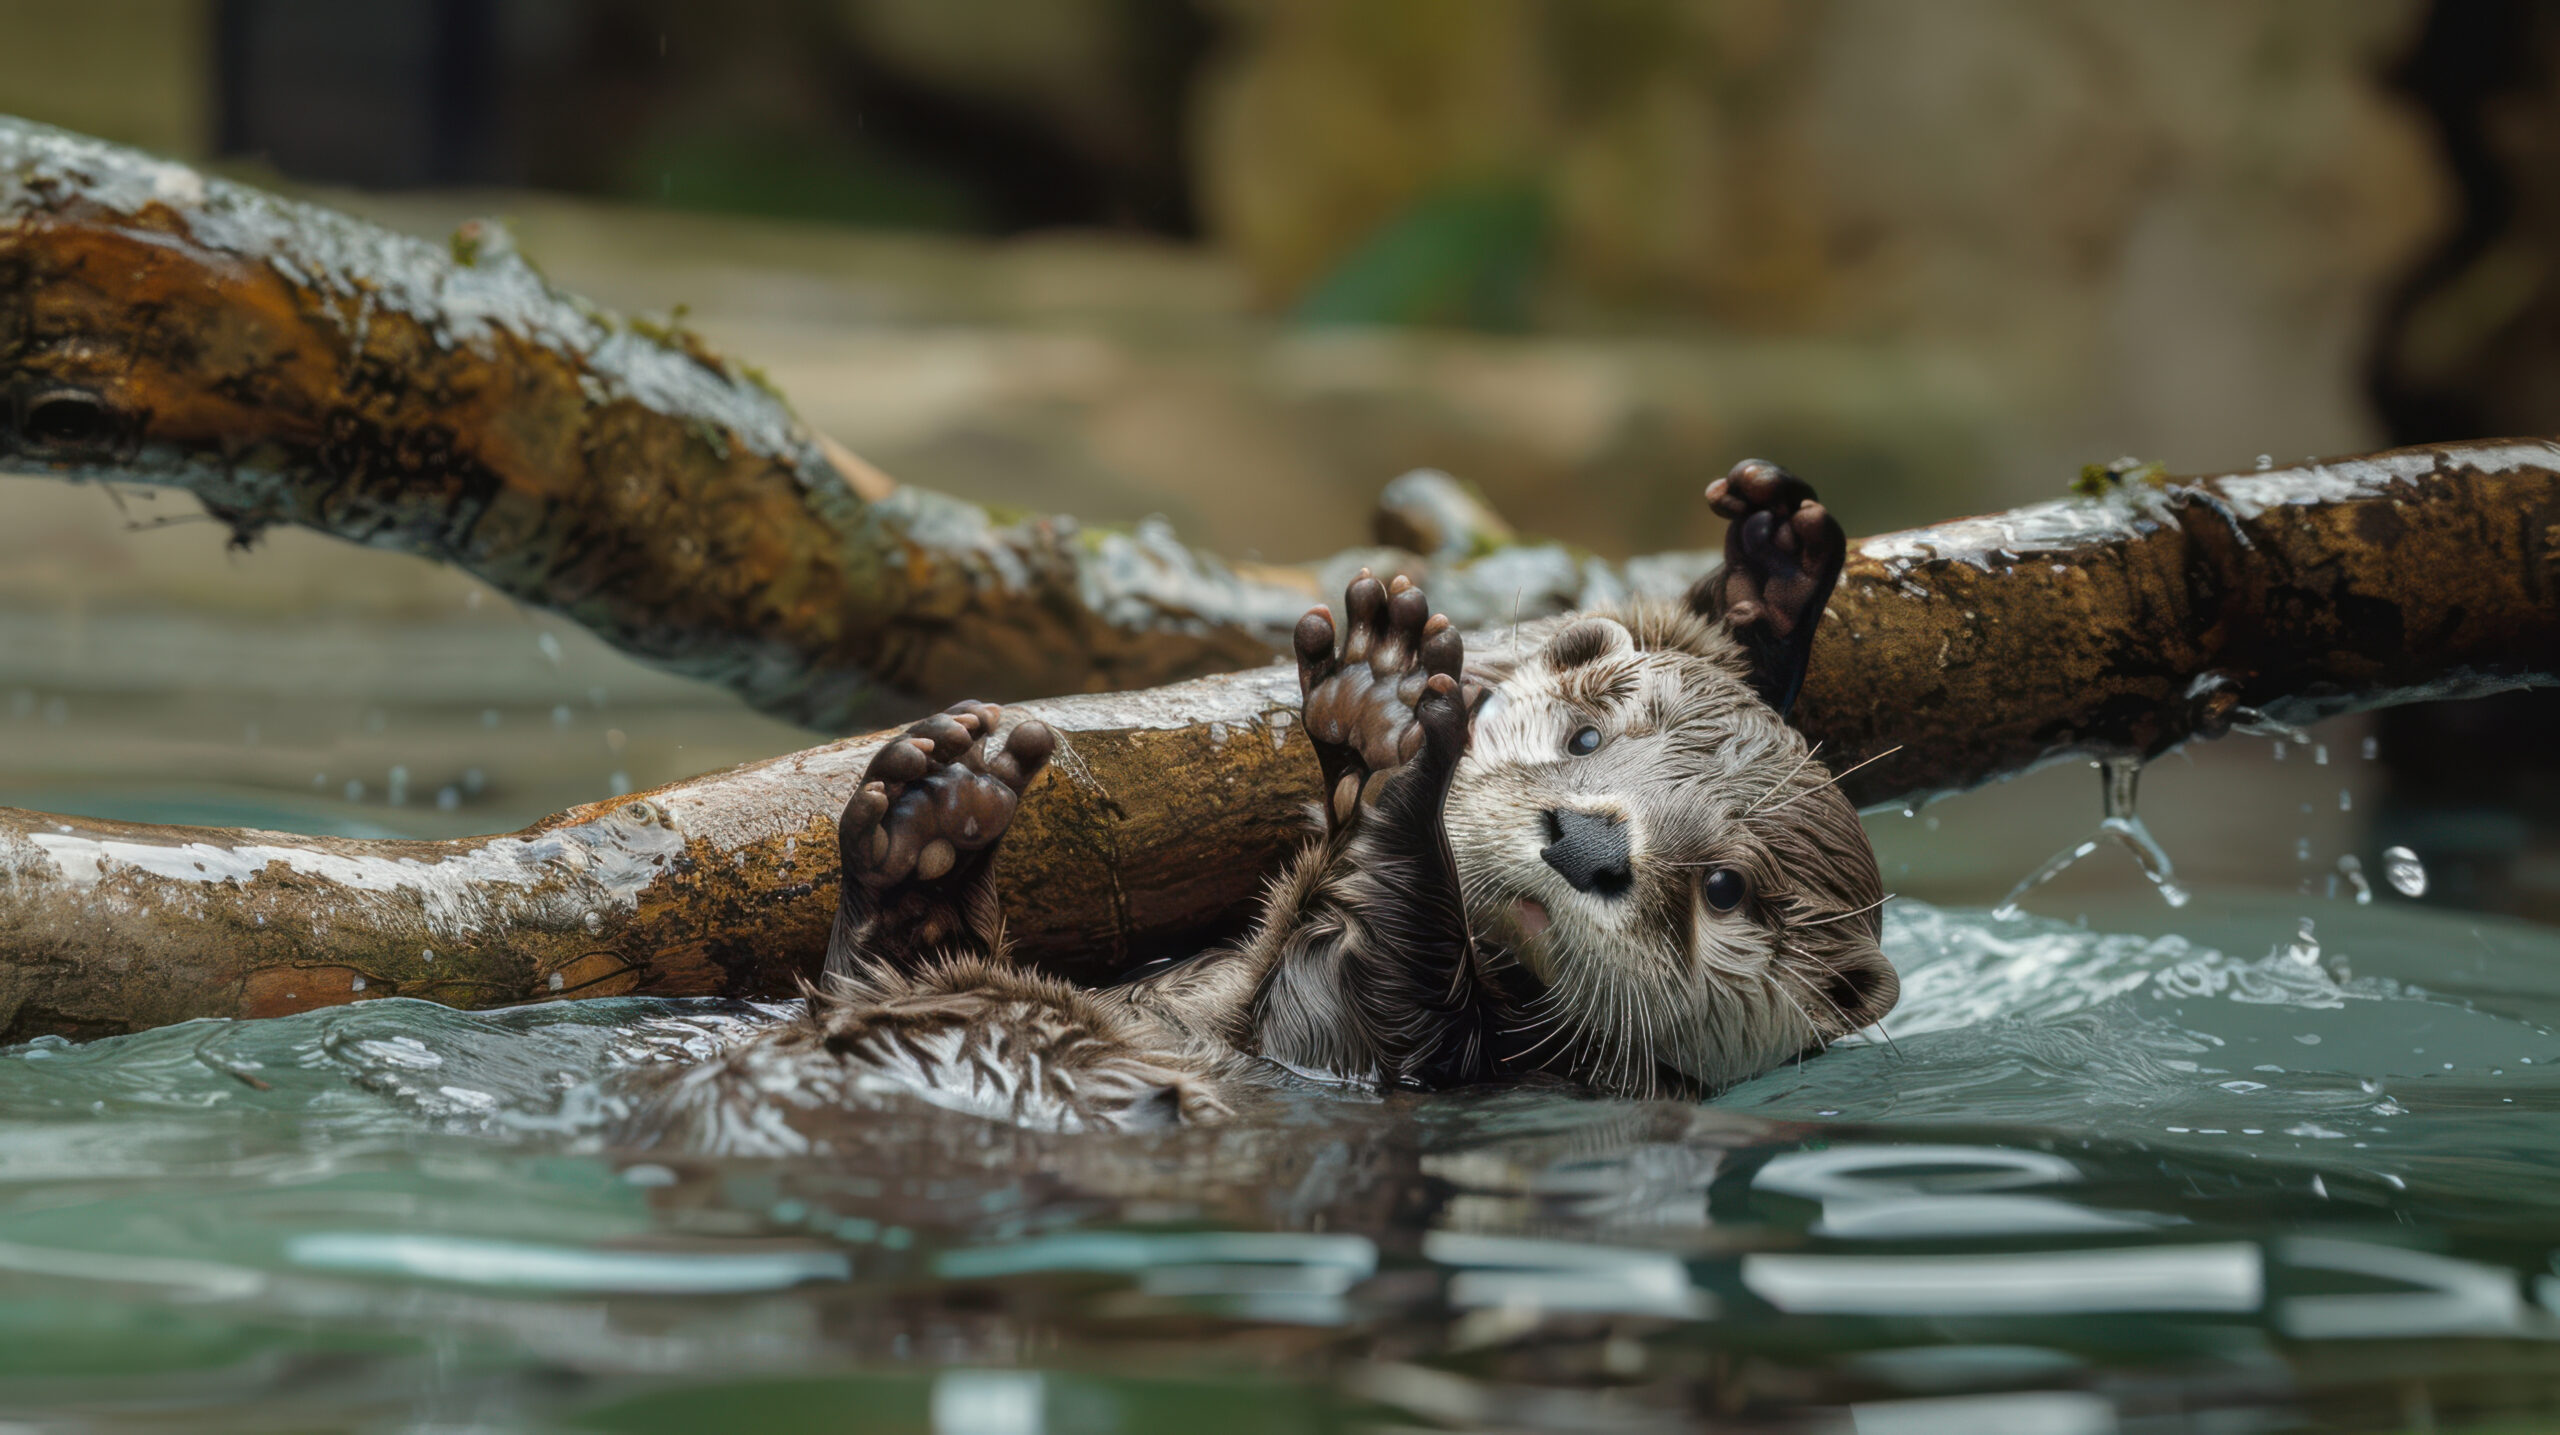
(2106, 627)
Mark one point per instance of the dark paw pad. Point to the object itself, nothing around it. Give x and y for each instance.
(1782, 554)
(1360, 703)
(938, 795)
(1783, 551)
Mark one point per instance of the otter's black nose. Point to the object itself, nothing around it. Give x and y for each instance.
(1590, 850)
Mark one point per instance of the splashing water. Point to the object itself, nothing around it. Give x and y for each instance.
(2406, 874)
(2119, 823)
(2134, 1129)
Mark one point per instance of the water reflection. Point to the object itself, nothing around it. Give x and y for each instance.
(2097, 1177)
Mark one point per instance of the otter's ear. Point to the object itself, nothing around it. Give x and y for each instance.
(1782, 554)
(1587, 641)
(1858, 987)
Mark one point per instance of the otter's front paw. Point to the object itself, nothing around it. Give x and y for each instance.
(1782, 555)
(936, 798)
(1359, 703)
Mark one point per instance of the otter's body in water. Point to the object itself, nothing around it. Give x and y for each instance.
(1598, 852)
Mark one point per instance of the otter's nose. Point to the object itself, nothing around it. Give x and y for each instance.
(1590, 849)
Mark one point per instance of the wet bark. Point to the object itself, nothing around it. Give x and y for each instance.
(290, 365)
(2113, 626)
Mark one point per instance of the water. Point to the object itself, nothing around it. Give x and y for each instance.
(2248, 1174)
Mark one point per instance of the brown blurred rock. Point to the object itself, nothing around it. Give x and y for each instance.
(2165, 225)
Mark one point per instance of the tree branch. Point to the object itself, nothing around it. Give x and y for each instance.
(2101, 627)
(287, 364)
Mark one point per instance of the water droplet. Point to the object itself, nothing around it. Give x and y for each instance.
(2346, 800)
(354, 790)
(2319, 754)
(2305, 946)
(426, 954)
(356, 984)
(2372, 748)
(2353, 871)
(2302, 849)
(448, 797)
(2309, 1038)
(2266, 461)
(550, 647)
(399, 785)
(2407, 875)
(558, 982)
(560, 715)
(620, 782)
(2279, 750)
(593, 919)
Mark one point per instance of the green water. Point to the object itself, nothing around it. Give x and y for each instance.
(2232, 1178)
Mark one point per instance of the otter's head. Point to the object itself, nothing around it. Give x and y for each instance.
(1654, 843)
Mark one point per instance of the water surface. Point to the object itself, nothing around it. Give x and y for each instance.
(2232, 1177)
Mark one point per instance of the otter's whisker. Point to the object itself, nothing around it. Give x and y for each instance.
(1780, 785)
(1844, 916)
(1833, 781)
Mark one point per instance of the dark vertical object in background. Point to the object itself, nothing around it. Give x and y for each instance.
(773, 103)
(357, 94)
(2470, 55)
(462, 90)
(2468, 347)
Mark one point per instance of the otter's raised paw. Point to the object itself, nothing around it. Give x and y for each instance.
(935, 798)
(1782, 554)
(1358, 703)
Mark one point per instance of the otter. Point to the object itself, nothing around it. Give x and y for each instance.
(1597, 853)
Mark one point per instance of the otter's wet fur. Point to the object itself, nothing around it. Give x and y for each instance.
(1651, 987)
(1597, 851)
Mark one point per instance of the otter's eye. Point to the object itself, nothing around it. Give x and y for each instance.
(1725, 889)
(1584, 742)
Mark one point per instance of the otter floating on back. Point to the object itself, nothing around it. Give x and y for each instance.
(1599, 853)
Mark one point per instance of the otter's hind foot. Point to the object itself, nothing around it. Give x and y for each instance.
(916, 835)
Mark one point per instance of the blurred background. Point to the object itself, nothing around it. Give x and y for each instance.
(1240, 262)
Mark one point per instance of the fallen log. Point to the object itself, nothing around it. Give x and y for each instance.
(287, 364)
(2115, 626)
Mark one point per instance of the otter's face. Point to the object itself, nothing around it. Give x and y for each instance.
(1661, 850)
